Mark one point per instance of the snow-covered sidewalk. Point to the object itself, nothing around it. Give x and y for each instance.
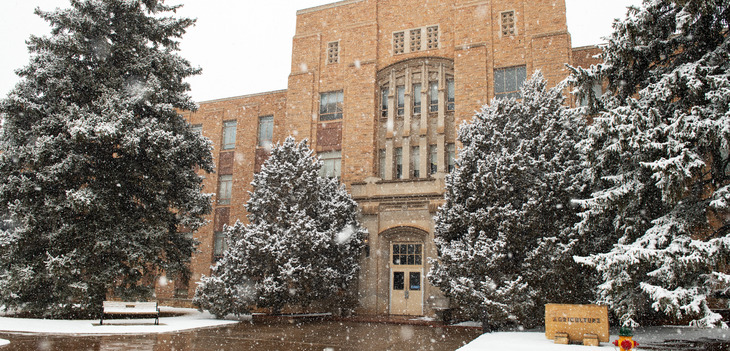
(530, 341)
(523, 341)
(190, 319)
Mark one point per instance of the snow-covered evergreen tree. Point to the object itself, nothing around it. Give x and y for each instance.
(504, 234)
(97, 167)
(302, 243)
(658, 152)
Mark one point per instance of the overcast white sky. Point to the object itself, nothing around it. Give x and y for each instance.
(244, 46)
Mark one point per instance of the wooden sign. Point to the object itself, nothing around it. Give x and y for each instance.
(579, 322)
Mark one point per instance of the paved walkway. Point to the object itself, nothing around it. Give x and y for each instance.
(284, 334)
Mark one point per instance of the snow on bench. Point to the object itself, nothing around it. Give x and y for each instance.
(130, 308)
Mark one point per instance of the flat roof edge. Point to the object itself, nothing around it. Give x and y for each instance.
(587, 47)
(327, 6)
(243, 96)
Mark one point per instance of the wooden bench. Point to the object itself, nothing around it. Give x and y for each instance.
(130, 308)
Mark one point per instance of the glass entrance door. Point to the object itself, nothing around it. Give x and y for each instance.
(406, 279)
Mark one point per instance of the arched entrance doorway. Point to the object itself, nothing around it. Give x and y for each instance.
(406, 270)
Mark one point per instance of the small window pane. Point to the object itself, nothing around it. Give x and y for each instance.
(266, 130)
(508, 81)
(433, 158)
(520, 76)
(414, 281)
(229, 135)
(331, 164)
(398, 280)
(401, 99)
(451, 156)
(224, 189)
(384, 102)
(219, 245)
(434, 96)
(596, 90)
(416, 161)
(450, 95)
(330, 106)
(399, 163)
(382, 163)
(416, 99)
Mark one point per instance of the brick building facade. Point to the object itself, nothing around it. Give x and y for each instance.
(379, 88)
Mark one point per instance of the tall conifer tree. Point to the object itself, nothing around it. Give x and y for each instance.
(658, 152)
(98, 168)
(504, 234)
(302, 244)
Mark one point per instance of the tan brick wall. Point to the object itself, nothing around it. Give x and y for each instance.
(469, 35)
(245, 110)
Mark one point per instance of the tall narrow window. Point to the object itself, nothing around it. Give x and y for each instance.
(331, 164)
(330, 106)
(399, 43)
(417, 98)
(381, 164)
(384, 102)
(333, 52)
(398, 163)
(401, 99)
(225, 183)
(415, 39)
(450, 99)
(433, 96)
(451, 157)
(416, 162)
(219, 245)
(508, 82)
(266, 130)
(508, 23)
(432, 37)
(433, 159)
(229, 135)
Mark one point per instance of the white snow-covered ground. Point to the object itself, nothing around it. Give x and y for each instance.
(523, 341)
(530, 341)
(191, 319)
